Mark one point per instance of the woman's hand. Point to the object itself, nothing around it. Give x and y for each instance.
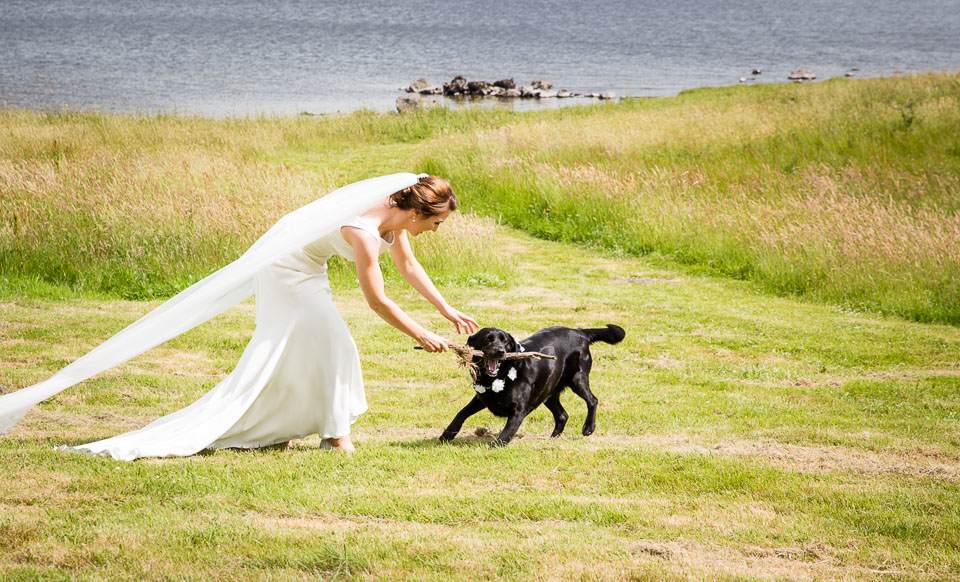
(431, 342)
(460, 320)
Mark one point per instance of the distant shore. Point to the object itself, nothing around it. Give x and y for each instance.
(383, 98)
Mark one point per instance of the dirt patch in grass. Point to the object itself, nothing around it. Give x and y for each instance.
(646, 280)
(66, 427)
(177, 362)
(561, 554)
(807, 459)
(801, 458)
(813, 561)
(913, 375)
(664, 362)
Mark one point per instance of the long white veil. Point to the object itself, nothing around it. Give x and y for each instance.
(212, 295)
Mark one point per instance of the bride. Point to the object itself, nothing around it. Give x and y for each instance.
(300, 373)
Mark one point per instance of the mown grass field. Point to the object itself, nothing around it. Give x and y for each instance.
(741, 435)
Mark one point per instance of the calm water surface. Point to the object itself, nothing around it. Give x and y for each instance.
(241, 57)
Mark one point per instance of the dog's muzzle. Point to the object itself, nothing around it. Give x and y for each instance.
(490, 366)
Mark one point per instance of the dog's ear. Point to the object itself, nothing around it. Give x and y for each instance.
(471, 339)
(514, 344)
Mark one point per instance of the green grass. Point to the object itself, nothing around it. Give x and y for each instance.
(140, 207)
(761, 420)
(740, 436)
(843, 191)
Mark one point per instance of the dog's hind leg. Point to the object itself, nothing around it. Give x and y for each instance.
(580, 384)
(472, 407)
(560, 415)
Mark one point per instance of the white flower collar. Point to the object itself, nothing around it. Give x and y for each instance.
(498, 385)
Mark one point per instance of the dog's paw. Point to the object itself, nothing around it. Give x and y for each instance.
(447, 437)
(588, 430)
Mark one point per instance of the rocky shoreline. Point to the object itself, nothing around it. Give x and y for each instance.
(421, 90)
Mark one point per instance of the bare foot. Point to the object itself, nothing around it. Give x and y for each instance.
(340, 444)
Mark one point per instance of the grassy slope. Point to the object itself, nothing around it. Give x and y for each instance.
(740, 437)
(840, 191)
(843, 191)
(140, 207)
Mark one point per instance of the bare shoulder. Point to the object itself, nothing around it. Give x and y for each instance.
(361, 240)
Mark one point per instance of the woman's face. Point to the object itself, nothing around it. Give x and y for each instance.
(420, 224)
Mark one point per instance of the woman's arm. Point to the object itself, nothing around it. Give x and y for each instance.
(365, 250)
(417, 277)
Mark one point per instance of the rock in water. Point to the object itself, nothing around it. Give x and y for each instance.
(505, 84)
(413, 102)
(457, 86)
(802, 75)
(477, 87)
(418, 85)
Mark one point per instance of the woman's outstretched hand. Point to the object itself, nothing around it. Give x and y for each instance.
(463, 322)
(431, 342)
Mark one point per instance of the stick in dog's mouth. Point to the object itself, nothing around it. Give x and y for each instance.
(466, 352)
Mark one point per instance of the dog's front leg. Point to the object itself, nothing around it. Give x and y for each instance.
(510, 429)
(472, 407)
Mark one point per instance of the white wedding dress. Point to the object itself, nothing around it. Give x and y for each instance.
(298, 376)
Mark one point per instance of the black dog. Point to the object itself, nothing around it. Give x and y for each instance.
(514, 388)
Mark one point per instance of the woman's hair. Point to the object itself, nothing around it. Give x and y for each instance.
(428, 197)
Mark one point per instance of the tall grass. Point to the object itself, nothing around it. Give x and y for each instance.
(464, 251)
(845, 191)
(141, 207)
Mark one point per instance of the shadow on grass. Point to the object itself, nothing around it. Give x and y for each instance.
(481, 437)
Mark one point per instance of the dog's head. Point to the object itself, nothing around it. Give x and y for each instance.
(494, 343)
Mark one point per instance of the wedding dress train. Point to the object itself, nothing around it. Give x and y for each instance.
(299, 375)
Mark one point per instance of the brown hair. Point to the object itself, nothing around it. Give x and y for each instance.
(430, 196)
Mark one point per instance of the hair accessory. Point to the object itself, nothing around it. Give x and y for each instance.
(422, 176)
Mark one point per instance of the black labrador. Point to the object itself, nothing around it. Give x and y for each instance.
(514, 388)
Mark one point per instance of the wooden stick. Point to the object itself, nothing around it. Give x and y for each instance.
(466, 352)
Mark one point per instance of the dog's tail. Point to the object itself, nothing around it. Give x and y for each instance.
(611, 334)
